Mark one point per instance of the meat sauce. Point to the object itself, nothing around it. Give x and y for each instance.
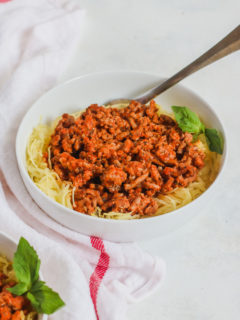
(11, 306)
(122, 159)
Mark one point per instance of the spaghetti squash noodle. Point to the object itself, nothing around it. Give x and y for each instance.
(161, 193)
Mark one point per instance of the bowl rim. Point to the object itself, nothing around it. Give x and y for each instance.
(41, 316)
(23, 169)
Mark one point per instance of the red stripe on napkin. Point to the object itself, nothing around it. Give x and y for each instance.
(4, 1)
(99, 272)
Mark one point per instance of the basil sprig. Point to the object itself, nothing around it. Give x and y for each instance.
(26, 266)
(189, 121)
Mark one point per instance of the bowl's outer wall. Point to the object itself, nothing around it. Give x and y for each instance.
(76, 95)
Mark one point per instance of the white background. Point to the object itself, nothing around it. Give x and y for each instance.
(203, 258)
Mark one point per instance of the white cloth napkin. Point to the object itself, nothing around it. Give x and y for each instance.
(97, 279)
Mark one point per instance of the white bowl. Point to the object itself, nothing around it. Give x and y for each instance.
(79, 93)
(8, 247)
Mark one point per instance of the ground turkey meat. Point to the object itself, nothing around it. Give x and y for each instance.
(122, 159)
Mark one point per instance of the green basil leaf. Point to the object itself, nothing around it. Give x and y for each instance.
(214, 140)
(188, 120)
(44, 299)
(21, 269)
(19, 289)
(37, 286)
(26, 263)
(33, 301)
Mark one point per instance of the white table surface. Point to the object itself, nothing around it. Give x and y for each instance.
(203, 258)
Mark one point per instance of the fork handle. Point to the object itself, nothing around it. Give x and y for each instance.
(224, 47)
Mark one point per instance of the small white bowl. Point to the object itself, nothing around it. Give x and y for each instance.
(79, 93)
(8, 247)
